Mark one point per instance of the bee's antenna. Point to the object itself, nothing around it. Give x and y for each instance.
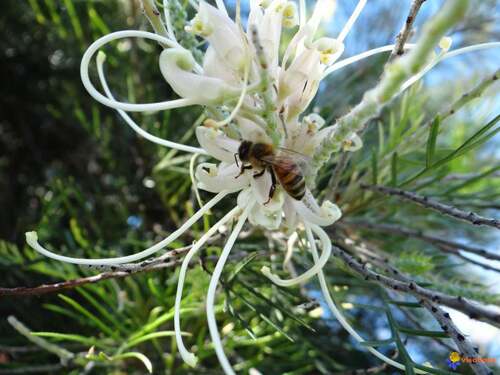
(236, 159)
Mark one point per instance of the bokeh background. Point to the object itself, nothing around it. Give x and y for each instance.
(71, 169)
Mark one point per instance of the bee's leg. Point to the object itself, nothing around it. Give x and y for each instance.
(259, 174)
(243, 169)
(273, 186)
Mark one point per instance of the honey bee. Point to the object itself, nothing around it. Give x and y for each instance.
(284, 165)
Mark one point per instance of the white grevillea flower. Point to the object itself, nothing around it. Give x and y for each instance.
(254, 96)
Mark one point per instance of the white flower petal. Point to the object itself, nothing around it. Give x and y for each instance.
(261, 186)
(223, 35)
(267, 215)
(290, 214)
(214, 179)
(176, 66)
(269, 31)
(214, 66)
(250, 131)
(217, 144)
(304, 67)
(325, 215)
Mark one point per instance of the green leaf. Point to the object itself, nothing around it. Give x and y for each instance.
(408, 362)
(151, 336)
(240, 265)
(472, 142)
(369, 307)
(374, 167)
(394, 169)
(405, 304)
(420, 332)
(98, 322)
(375, 343)
(432, 370)
(472, 180)
(431, 141)
(91, 341)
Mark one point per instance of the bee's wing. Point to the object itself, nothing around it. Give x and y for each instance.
(284, 156)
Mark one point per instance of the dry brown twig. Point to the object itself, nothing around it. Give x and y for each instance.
(473, 309)
(425, 202)
(405, 32)
(402, 283)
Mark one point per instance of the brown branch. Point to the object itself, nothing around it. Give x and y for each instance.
(445, 209)
(454, 251)
(405, 32)
(428, 302)
(471, 308)
(167, 260)
(70, 284)
(434, 240)
(445, 321)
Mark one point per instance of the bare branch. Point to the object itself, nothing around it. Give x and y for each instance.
(405, 32)
(167, 260)
(434, 240)
(70, 284)
(473, 309)
(445, 209)
(153, 15)
(446, 324)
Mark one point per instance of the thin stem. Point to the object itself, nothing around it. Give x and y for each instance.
(471, 308)
(353, 59)
(32, 240)
(187, 356)
(94, 47)
(153, 15)
(445, 322)
(445, 209)
(302, 13)
(351, 20)
(221, 6)
(168, 22)
(64, 355)
(434, 240)
(404, 34)
(446, 56)
(212, 323)
(71, 284)
(338, 314)
(150, 137)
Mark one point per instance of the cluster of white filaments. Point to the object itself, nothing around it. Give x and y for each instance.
(255, 94)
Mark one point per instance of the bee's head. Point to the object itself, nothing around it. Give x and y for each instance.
(244, 150)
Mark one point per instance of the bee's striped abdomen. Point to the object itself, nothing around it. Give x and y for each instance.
(291, 178)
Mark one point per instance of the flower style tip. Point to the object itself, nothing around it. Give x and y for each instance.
(290, 15)
(330, 49)
(101, 58)
(190, 359)
(445, 43)
(352, 143)
(31, 238)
